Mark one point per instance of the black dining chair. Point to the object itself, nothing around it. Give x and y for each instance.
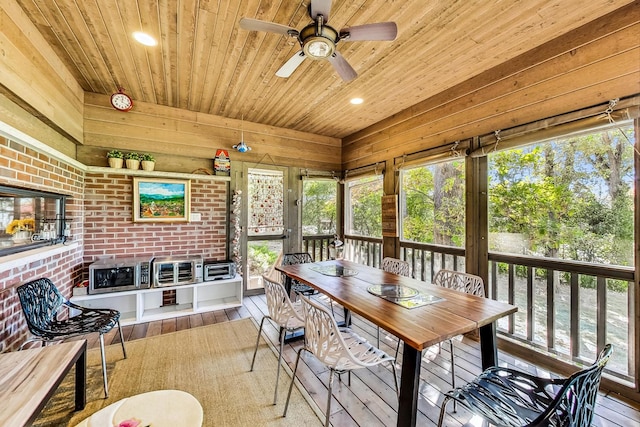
(42, 304)
(297, 287)
(509, 398)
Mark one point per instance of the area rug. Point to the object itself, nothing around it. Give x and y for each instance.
(210, 362)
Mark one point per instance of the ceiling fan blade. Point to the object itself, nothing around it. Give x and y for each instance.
(271, 27)
(342, 67)
(370, 32)
(291, 65)
(320, 7)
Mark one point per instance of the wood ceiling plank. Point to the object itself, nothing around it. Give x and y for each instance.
(168, 46)
(206, 63)
(152, 56)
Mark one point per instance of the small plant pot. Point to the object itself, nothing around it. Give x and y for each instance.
(148, 165)
(115, 162)
(133, 164)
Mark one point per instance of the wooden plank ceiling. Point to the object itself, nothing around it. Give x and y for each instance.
(205, 62)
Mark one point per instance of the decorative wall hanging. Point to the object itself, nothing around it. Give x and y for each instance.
(161, 200)
(237, 230)
(266, 202)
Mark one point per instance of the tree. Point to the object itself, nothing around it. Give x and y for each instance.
(567, 198)
(319, 202)
(433, 203)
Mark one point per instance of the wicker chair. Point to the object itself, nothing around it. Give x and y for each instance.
(42, 303)
(510, 398)
(285, 314)
(298, 258)
(340, 349)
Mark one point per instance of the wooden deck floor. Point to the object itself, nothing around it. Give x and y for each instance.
(370, 400)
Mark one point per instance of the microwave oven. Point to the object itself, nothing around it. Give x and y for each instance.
(119, 274)
(217, 270)
(176, 270)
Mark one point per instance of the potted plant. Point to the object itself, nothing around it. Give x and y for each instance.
(132, 160)
(115, 158)
(148, 161)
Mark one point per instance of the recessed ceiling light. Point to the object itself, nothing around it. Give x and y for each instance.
(357, 101)
(144, 38)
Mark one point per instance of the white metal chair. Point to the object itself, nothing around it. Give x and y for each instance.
(286, 315)
(462, 282)
(341, 349)
(395, 266)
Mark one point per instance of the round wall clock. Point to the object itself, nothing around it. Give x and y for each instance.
(121, 101)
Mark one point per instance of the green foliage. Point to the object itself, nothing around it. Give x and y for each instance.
(132, 156)
(433, 204)
(365, 200)
(261, 259)
(569, 198)
(319, 201)
(115, 154)
(146, 157)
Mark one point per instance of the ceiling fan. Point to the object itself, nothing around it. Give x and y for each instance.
(318, 40)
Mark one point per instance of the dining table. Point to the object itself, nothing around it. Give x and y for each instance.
(419, 313)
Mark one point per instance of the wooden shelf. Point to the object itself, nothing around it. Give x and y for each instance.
(145, 305)
(156, 174)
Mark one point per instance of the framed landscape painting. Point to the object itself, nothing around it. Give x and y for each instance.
(161, 200)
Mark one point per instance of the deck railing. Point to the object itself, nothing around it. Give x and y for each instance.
(565, 308)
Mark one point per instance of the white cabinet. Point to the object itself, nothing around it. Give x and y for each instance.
(145, 305)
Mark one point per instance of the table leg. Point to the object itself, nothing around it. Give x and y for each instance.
(488, 345)
(409, 382)
(81, 380)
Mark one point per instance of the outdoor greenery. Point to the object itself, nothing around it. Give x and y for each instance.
(569, 198)
(261, 257)
(433, 203)
(319, 201)
(364, 206)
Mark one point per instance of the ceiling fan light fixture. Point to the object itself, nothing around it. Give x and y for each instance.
(319, 48)
(318, 42)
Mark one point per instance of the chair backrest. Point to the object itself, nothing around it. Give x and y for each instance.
(396, 266)
(40, 301)
(458, 281)
(280, 308)
(296, 258)
(322, 337)
(574, 404)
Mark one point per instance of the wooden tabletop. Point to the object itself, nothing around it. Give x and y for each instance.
(28, 378)
(419, 327)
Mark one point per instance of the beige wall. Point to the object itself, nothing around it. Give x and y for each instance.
(184, 140)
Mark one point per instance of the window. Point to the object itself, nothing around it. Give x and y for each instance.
(432, 201)
(319, 205)
(30, 219)
(363, 208)
(568, 198)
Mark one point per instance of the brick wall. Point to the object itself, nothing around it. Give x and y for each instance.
(110, 230)
(101, 208)
(24, 167)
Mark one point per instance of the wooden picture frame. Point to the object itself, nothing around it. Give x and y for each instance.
(161, 200)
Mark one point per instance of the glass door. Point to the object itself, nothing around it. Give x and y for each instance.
(267, 230)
